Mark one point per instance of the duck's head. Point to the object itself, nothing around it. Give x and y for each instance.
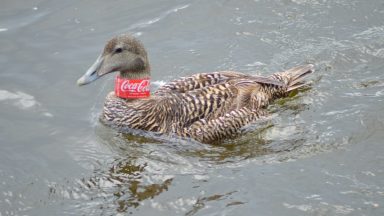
(124, 54)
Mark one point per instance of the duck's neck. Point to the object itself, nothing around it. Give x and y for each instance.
(133, 85)
(143, 74)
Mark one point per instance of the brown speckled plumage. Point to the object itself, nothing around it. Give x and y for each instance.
(206, 107)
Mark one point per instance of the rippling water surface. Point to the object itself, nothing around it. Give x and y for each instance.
(319, 153)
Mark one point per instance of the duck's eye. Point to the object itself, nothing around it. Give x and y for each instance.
(118, 50)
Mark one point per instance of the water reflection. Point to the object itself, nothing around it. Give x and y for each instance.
(122, 187)
(129, 188)
(201, 202)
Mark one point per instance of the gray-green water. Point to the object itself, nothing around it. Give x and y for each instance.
(321, 153)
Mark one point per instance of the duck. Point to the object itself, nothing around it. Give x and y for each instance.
(206, 107)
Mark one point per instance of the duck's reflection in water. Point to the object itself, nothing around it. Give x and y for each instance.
(130, 189)
(123, 186)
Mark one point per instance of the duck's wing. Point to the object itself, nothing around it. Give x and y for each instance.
(203, 80)
(227, 126)
(215, 101)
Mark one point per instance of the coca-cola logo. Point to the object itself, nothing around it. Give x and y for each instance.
(132, 89)
(135, 86)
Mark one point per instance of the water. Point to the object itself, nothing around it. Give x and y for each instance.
(320, 153)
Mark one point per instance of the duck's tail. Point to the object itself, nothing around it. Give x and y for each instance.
(294, 77)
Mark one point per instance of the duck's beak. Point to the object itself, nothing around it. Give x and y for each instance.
(91, 74)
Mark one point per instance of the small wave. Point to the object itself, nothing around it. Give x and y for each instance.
(159, 83)
(373, 32)
(23, 101)
(255, 64)
(147, 23)
(27, 19)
